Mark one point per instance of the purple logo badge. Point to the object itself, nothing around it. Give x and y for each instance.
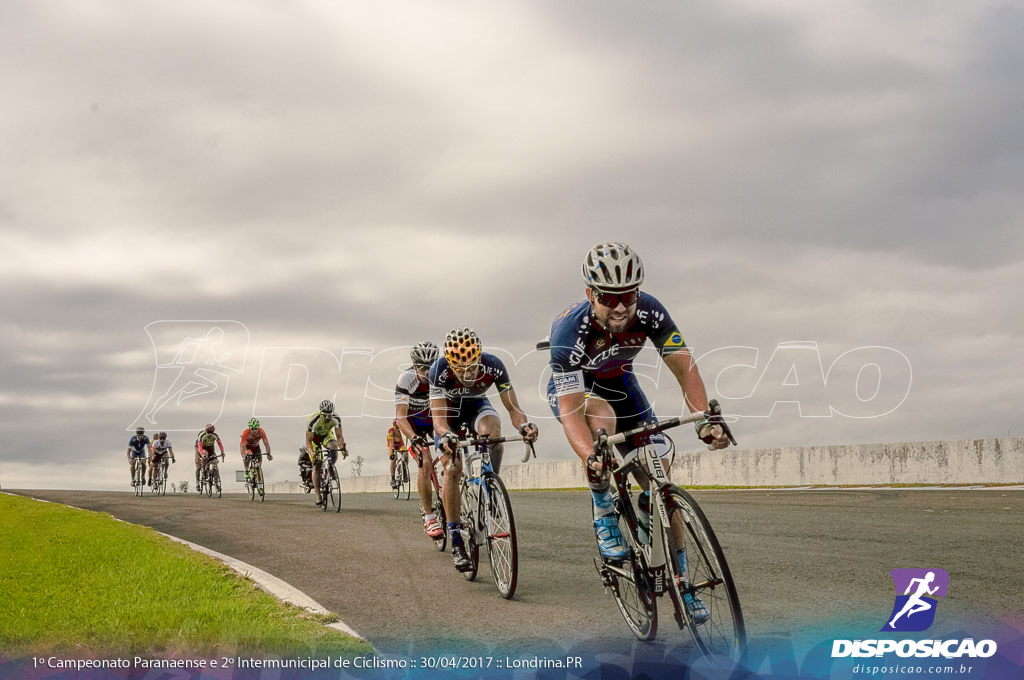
(916, 590)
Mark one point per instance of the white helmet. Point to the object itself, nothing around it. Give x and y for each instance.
(612, 267)
(423, 354)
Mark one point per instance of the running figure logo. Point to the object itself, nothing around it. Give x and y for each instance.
(194, 364)
(915, 608)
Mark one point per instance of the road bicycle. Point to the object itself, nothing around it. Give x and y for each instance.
(401, 478)
(676, 523)
(209, 478)
(138, 475)
(330, 483)
(159, 485)
(254, 477)
(487, 513)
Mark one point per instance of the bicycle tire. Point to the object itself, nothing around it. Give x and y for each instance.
(260, 483)
(250, 481)
(438, 505)
(334, 489)
(470, 505)
(140, 478)
(502, 544)
(709, 578)
(406, 480)
(632, 589)
(396, 479)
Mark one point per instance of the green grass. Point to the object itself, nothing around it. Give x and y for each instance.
(74, 581)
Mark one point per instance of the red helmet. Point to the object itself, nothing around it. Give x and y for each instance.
(209, 428)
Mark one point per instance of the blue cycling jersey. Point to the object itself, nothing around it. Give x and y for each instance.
(137, 444)
(443, 382)
(466, 401)
(586, 358)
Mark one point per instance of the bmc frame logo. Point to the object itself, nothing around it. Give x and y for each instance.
(916, 603)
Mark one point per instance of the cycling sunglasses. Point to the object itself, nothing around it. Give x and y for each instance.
(612, 300)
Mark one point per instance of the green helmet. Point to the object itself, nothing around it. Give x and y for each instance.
(254, 424)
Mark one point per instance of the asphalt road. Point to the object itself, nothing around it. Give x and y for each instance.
(804, 560)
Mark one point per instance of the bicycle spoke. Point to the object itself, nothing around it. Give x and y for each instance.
(707, 578)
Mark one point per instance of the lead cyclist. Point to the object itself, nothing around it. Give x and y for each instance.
(593, 387)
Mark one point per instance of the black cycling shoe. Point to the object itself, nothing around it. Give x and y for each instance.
(461, 559)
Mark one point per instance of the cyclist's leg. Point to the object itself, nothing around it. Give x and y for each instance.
(488, 424)
(391, 459)
(316, 466)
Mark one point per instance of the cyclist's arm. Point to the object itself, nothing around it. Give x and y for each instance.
(241, 446)
(684, 368)
(695, 395)
(511, 402)
(402, 416)
(572, 411)
(266, 440)
(439, 415)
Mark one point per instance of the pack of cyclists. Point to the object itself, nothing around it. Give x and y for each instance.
(443, 393)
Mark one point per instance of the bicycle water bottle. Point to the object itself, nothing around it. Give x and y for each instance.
(643, 504)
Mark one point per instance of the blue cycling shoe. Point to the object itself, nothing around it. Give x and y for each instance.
(609, 538)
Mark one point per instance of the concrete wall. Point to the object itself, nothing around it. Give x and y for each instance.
(978, 461)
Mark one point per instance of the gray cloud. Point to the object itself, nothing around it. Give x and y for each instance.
(335, 178)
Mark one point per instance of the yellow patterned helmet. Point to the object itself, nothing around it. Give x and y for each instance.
(462, 347)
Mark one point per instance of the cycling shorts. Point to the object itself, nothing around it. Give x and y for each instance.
(629, 403)
(469, 414)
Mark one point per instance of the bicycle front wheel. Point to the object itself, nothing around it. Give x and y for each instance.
(209, 483)
(707, 580)
(502, 546)
(438, 505)
(250, 483)
(259, 483)
(334, 489)
(406, 482)
(216, 480)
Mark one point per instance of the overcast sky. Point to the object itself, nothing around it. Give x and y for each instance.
(210, 211)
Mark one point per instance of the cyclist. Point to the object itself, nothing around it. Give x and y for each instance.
(458, 382)
(161, 449)
(249, 446)
(139, 449)
(205, 441)
(412, 413)
(305, 469)
(324, 427)
(395, 443)
(592, 386)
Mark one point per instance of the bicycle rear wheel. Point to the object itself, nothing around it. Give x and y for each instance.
(707, 577)
(502, 545)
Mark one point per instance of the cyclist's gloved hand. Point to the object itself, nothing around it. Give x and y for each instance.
(529, 432)
(449, 442)
(343, 450)
(712, 435)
